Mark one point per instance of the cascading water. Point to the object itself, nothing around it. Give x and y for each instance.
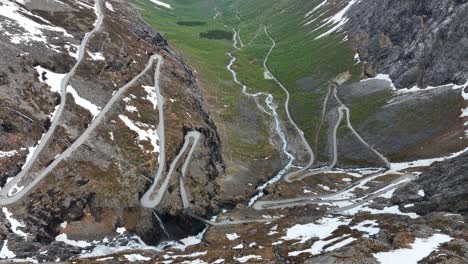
(161, 224)
(277, 126)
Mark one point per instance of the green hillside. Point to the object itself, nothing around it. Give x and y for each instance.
(300, 61)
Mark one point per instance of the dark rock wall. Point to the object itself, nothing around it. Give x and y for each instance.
(416, 42)
(444, 185)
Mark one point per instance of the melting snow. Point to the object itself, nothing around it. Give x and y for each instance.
(92, 108)
(421, 193)
(52, 79)
(73, 53)
(424, 162)
(84, 4)
(136, 257)
(120, 230)
(109, 6)
(8, 153)
(104, 259)
(98, 56)
(193, 255)
(162, 4)
(244, 259)
(384, 77)
(386, 210)
(338, 20)
(150, 134)
(131, 108)
(15, 189)
(322, 229)
(31, 30)
(357, 58)
(417, 89)
(15, 224)
(5, 253)
(232, 236)
(103, 250)
(326, 188)
(80, 243)
(421, 248)
(152, 96)
(316, 8)
(369, 227)
(240, 246)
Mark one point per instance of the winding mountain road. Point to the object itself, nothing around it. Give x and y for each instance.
(339, 196)
(277, 126)
(81, 139)
(286, 107)
(154, 195)
(56, 119)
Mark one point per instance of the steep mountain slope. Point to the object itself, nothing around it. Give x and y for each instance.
(425, 48)
(86, 118)
(299, 138)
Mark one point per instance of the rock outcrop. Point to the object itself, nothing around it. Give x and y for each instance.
(440, 189)
(417, 42)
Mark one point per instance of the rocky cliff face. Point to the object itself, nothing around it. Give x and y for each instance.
(441, 188)
(97, 187)
(417, 42)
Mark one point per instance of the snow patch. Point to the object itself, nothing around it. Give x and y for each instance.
(52, 79)
(136, 257)
(323, 3)
(131, 108)
(72, 50)
(369, 227)
(149, 134)
(120, 230)
(240, 246)
(31, 30)
(92, 108)
(98, 56)
(244, 259)
(322, 229)
(424, 162)
(109, 6)
(8, 154)
(386, 210)
(161, 4)
(15, 224)
(76, 243)
(338, 20)
(383, 77)
(357, 58)
(152, 95)
(232, 236)
(5, 253)
(420, 249)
